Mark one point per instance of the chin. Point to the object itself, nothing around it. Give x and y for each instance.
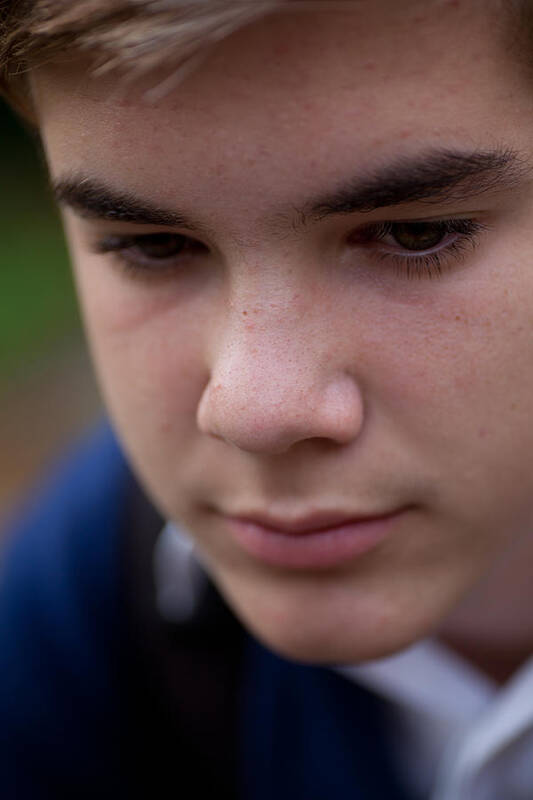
(332, 629)
(312, 647)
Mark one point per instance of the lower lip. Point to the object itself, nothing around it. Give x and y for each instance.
(321, 549)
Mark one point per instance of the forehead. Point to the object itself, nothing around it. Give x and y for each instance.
(295, 100)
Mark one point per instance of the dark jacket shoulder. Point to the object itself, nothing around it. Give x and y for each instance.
(60, 621)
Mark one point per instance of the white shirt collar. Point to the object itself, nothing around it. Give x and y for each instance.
(455, 734)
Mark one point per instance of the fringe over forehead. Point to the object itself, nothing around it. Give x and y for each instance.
(130, 35)
(135, 36)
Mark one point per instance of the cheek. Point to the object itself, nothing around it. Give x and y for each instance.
(149, 348)
(456, 384)
(456, 349)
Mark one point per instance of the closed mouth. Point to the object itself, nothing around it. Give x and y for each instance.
(314, 523)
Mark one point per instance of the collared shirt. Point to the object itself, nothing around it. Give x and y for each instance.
(455, 734)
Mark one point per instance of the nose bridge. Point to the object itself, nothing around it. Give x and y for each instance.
(271, 382)
(267, 357)
(264, 352)
(269, 318)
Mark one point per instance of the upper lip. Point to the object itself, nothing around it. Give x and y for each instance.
(309, 523)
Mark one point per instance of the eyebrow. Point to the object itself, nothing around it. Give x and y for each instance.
(438, 176)
(95, 199)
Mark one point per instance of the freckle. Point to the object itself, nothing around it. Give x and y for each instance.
(458, 318)
(244, 313)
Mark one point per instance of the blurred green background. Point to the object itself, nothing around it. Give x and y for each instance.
(38, 307)
(47, 391)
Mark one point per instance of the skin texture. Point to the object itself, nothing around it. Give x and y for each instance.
(282, 368)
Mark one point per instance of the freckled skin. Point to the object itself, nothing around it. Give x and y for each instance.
(354, 387)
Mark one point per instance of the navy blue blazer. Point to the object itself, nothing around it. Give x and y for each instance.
(100, 697)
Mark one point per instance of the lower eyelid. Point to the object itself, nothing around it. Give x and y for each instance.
(462, 237)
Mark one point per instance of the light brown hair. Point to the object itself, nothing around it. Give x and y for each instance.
(129, 35)
(134, 36)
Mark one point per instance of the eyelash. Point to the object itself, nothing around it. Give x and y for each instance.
(426, 263)
(127, 250)
(128, 254)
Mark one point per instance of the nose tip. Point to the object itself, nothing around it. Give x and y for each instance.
(271, 416)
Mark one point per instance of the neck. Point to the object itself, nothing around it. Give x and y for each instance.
(493, 626)
(499, 664)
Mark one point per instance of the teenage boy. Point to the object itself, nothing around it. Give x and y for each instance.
(302, 239)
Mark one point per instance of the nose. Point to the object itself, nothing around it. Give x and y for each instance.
(270, 389)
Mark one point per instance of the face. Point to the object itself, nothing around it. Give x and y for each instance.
(305, 273)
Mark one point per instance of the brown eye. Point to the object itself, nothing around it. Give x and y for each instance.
(418, 235)
(418, 247)
(159, 246)
(156, 253)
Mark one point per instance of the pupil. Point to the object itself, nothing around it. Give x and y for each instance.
(418, 235)
(161, 245)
